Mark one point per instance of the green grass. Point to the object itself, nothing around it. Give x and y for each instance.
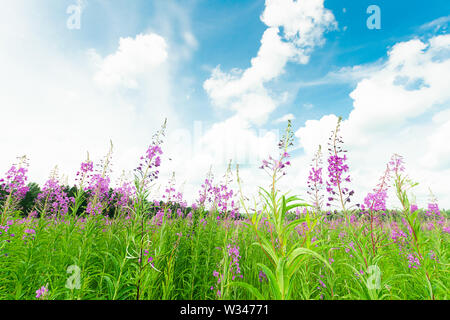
(107, 257)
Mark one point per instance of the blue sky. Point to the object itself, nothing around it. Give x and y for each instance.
(133, 63)
(229, 32)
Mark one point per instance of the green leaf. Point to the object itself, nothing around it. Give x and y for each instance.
(272, 281)
(292, 262)
(250, 288)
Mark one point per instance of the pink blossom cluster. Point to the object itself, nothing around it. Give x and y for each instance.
(233, 253)
(147, 168)
(220, 196)
(53, 198)
(42, 292)
(98, 188)
(86, 169)
(123, 197)
(14, 183)
(273, 165)
(375, 201)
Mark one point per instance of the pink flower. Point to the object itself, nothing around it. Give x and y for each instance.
(41, 293)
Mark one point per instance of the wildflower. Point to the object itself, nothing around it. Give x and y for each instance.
(233, 252)
(376, 201)
(85, 171)
(262, 276)
(413, 261)
(122, 197)
(28, 233)
(277, 167)
(219, 197)
(396, 164)
(149, 258)
(397, 233)
(53, 199)
(322, 283)
(98, 188)
(315, 181)
(433, 256)
(14, 184)
(337, 170)
(147, 169)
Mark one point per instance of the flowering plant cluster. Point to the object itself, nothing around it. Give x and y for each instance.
(86, 169)
(376, 201)
(122, 197)
(295, 243)
(98, 185)
(42, 292)
(147, 171)
(15, 182)
(219, 279)
(233, 253)
(435, 214)
(13, 187)
(219, 197)
(98, 188)
(276, 165)
(337, 170)
(147, 168)
(315, 182)
(53, 199)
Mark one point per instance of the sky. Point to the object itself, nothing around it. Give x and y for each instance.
(227, 75)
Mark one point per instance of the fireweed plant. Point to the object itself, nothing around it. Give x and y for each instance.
(104, 239)
(315, 181)
(285, 257)
(13, 187)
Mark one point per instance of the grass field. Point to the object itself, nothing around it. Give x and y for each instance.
(91, 241)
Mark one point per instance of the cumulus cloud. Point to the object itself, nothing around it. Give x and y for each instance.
(402, 108)
(284, 118)
(303, 22)
(135, 57)
(295, 28)
(52, 108)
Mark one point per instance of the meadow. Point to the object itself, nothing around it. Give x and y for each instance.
(96, 241)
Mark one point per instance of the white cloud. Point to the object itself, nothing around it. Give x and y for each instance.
(134, 58)
(52, 111)
(398, 109)
(284, 118)
(303, 23)
(294, 29)
(400, 105)
(437, 24)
